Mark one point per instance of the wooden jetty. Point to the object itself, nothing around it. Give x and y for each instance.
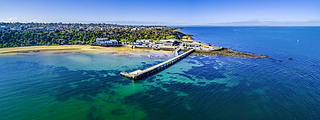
(140, 74)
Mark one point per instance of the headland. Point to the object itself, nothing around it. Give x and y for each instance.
(34, 37)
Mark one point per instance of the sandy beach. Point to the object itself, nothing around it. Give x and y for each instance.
(127, 51)
(80, 48)
(41, 48)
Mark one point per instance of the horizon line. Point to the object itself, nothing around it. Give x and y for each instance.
(195, 25)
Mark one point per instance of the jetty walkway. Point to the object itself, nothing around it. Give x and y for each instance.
(140, 74)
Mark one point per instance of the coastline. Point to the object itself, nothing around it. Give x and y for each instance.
(120, 50)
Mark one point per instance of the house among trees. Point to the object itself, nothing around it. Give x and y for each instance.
(187, 38)
(106, 42)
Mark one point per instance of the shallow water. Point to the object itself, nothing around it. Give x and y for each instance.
(87, 86)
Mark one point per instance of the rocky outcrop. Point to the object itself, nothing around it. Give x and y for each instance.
(228, 52)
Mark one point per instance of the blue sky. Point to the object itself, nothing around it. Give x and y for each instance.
(165, 12)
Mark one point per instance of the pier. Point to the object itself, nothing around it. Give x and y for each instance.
(140, 74)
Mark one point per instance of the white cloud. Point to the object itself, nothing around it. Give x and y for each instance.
(13, 19)
(16, 19)
(37, 20)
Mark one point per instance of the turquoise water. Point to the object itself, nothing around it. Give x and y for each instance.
(87, 86)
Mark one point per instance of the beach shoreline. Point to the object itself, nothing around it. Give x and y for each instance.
(119, 50)
(79, 48)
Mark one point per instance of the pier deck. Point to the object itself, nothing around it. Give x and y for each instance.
(140, 74)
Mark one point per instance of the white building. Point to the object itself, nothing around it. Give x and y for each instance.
(106, 41)
(170, 42)
(145, 41)
(137, 43)
(3, 27)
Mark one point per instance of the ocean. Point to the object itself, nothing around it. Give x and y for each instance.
(88, 86)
